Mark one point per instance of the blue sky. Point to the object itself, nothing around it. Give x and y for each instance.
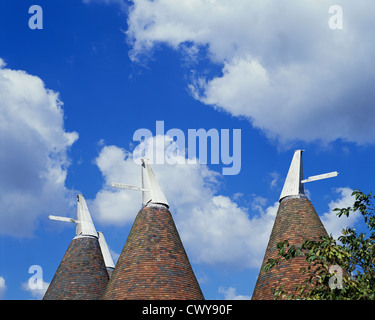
(73, 93)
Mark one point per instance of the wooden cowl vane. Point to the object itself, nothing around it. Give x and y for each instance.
(84, 270)
(296, 221)
(153, 263)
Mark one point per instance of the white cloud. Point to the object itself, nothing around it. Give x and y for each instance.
(115, 206)
(33, 158)
(282, 66)
(36, 293)
(218, 232)
(117, 165)
(3, 287)
(230, 294)
(213, 228)
(331, 221)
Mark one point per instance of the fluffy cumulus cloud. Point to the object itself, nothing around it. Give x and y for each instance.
(283, 67)
(116, 206)
(219, 232)
(214, 228)
(33, 158)
(36, 293)
(334, 224)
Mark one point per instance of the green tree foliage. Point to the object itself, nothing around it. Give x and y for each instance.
(337, 270)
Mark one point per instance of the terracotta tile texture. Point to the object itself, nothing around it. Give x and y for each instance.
(153, 263)
(296, 221)
(81, 274)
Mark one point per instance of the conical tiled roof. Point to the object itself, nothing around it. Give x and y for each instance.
(153, 263)
(82, 273)
(296, 221)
